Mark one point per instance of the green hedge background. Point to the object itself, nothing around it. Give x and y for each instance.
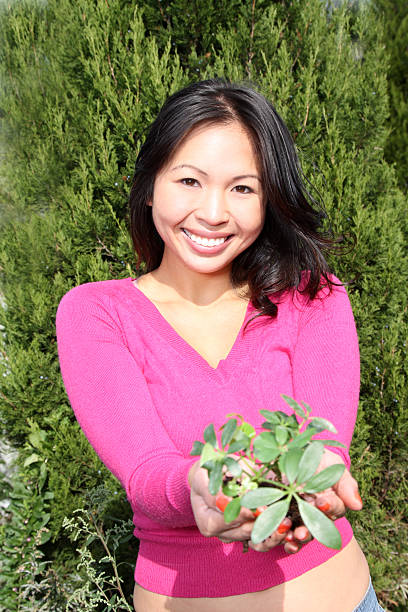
(80, 81)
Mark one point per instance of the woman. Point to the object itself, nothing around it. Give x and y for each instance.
(237, 307)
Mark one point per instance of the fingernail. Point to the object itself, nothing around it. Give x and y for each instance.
(357, 496)
(284, 526)
(290, 537)
(323, 506)
(304, 537)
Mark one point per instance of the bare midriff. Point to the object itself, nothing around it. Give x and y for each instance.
(335, 586)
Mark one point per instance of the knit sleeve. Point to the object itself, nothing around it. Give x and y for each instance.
(326, 364)
(112, 403)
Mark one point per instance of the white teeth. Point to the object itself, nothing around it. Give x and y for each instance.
(205, 241)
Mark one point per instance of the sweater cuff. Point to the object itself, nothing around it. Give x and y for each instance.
(163, 493)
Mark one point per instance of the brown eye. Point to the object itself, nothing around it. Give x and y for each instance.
(189, 182)
(243, 189)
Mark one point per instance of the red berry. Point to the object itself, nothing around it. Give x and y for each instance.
(222, 501)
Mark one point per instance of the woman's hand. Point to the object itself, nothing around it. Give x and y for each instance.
(210, 520)
(333, 501)
(344, 494)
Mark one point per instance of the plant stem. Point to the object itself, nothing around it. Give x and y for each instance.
(112, 559)
(275, 483)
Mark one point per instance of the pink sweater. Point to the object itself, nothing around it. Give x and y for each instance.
(142, 395)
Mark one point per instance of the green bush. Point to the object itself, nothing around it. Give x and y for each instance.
(80, 81)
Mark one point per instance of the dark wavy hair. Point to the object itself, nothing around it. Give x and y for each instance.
(292, 240)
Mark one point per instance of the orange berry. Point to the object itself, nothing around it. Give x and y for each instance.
(222, 501)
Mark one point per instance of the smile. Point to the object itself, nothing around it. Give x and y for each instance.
(208, 242)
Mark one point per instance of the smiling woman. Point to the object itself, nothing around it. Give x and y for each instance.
(208, 204)
(229, 236)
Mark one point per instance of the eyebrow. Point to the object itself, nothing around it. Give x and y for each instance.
(235, 178)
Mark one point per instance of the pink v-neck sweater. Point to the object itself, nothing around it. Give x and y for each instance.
(142, 395)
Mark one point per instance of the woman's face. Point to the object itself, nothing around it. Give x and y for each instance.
(210, 190)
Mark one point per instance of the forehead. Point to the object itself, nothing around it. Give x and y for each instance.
(204, 142)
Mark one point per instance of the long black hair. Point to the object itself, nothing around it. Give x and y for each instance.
(292, 240)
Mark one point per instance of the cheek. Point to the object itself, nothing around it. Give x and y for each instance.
(170, 206)
(253, 220)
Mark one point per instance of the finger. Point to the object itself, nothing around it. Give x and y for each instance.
(302, 535)
(241, 533)
(291, 547)
(276, 538)
(331, 505)
(347, 489)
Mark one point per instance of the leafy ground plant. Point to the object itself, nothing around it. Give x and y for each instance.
(272, 473)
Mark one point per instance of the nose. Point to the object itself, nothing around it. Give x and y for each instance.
(213, 208)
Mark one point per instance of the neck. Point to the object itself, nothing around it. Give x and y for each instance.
(202, 290)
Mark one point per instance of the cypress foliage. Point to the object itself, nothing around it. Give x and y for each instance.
(394, 14)
(80, 82)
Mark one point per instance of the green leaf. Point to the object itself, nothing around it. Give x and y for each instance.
(208, 453)
(215, 480)
(281, 434)
(310, 461)
(232, 510)
(324, 479)
(302, 439)
(233, 467)
(321, 424)
(37, 437)
(238, 445)
(293, 422)
(228, 431)
(296, 407)
(209, 435)
(269, 520)
(321, 527)
(231, 488)
(333, 443)
(44, 519)
(264, 496)
(197, 448)
(265, 448)
(45, 536)
(271, 417)
(290, 463)
(247, 429)
(32, 459)
(91, 538)
(307, 408)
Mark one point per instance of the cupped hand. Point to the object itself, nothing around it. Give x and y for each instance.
(333, 502)
(210, 520)
(342, 495)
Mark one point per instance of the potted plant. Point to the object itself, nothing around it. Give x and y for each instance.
(273, 472)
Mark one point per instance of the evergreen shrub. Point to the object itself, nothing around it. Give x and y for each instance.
(80, 81)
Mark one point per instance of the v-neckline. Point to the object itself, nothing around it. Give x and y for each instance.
(153, 316)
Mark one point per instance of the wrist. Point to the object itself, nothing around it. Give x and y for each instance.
(192, 471)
